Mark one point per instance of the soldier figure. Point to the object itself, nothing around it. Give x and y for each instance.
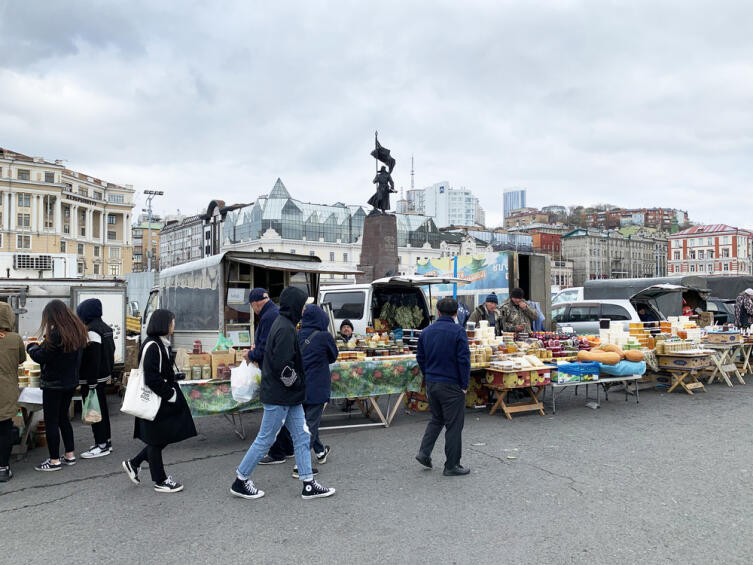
(385, 185)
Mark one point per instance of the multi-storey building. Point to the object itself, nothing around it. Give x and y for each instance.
(548, 243)
(662, 219)
(562, 274)
(46, 209)
(525, 217)
(144, 232)
(513, 199)
(713, 249)
(598, 254)
(446, 205)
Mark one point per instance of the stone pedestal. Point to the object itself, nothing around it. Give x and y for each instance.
(378, 248)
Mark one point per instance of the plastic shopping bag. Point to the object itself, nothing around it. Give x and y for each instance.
(244, 382)
(91, 412)
(223, 343)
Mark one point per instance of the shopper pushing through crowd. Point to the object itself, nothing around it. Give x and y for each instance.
(282, 393)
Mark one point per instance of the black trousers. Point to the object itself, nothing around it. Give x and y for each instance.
(55, 404)
(283, 445)
(101, 429)
(152, 454)
(6, 441)
(447, 405)
(313, 419)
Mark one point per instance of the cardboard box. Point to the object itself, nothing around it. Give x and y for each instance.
(199, 359)
(682, 361)
(724, 338)
(226, 358)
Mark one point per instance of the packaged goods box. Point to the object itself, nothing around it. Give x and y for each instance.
(683, 361)
(724, 338)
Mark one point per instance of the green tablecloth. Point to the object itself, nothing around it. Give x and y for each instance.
(350, 379)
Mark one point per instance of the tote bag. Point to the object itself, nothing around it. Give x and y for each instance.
(139, 400)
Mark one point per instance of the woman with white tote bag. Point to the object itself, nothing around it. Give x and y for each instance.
(173, 422)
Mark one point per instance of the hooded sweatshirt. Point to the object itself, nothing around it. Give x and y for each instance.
(318, 350)
(99, 355)
(12, 354)
(282, 375)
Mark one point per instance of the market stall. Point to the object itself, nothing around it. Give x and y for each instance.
(727, 347)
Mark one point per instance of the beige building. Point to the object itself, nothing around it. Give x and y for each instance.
(48, 209)
(141, 249)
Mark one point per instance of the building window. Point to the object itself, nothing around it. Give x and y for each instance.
(96, 250)
(83, 191)
(677, 255)
(711, 254)
(80, 248)
(692, 268)
(80, 267)
(98, 196)
(725, 252)
(24, 221)
(312, 253)
(23, 242)
(114, 270)
(62, 247)
(331, 255)
(345, 257)
(112, 219)
(700, 254)
(24, 200)
(23, 174)
(292, 251)
(110, 235)
(726, 266)
(116, 198)
(96, 268)
(114, 252)
(692, 254)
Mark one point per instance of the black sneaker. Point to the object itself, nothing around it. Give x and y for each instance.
(321, 458)
(245, 489)
(109, 445)
(168, 485)
(5, 475)
(132, 473)
(268, 460)
(458, 471)
(65, 461)
(312, 489)
(47, 466)
(314, 472)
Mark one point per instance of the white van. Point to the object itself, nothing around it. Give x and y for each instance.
(573, 294)
(363, 303)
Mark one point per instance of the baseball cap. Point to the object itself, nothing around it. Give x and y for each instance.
(257, 294)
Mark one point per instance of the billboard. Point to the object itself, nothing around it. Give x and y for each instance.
(486, 272)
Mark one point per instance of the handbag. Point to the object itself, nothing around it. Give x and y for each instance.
(139, 400)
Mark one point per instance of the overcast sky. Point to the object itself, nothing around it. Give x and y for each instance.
(632, 103)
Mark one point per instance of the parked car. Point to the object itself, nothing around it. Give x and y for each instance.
(568, 295)
(583, 316)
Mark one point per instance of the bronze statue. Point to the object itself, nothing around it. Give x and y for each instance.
(383, 179)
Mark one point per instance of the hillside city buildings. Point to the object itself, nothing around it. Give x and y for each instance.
(447, 206)
(711, 250)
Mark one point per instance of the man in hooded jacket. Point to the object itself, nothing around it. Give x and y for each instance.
(282, 393)
(96, 368)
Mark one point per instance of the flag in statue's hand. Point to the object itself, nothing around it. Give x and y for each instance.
(383, 154)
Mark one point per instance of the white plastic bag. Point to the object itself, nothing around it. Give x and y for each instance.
(139, 400)
(244, 381)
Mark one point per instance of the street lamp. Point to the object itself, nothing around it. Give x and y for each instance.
(150, 194)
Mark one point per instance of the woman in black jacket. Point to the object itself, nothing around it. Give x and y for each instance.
(59, 355)
(173, 422)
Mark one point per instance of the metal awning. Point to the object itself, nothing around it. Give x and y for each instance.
(298, 266)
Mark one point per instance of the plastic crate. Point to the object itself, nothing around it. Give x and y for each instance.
(579, 369)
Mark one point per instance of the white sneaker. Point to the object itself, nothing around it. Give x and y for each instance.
(168, 485)
(95, 451)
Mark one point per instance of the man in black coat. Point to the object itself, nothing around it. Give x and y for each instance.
(96, 369)
(282, 393)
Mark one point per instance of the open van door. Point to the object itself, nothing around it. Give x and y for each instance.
(409, 284)
(651, 297)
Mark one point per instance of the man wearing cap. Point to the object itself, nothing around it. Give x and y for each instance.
(486, 311)
(267, 312)
(744, 309)
(515, 315)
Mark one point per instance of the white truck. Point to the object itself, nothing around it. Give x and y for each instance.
(209, 296)
(363, 303)
(28, 297)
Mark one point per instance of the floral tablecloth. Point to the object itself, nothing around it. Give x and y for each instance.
(351, 379)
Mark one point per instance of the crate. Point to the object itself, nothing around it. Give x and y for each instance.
(683, 361)
(724, 338)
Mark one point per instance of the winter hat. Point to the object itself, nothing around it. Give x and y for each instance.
(516, 293)
(89, 310)
(257, 294)
(749, 291)
(492, 298)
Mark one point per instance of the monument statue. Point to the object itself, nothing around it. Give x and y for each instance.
(383, 179)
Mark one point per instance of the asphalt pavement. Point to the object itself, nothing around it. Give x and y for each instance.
(664, 481)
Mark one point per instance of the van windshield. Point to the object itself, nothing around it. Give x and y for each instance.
(346, 304)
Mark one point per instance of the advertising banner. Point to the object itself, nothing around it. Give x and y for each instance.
(486, 272)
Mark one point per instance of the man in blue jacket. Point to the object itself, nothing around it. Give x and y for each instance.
(445, 361)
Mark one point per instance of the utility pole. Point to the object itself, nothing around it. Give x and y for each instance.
(150, 194)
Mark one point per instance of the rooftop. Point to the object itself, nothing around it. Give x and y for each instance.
(710, 228)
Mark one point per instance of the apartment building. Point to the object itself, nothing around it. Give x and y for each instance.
(662, 219)
(48, 209)
(144, 232)
(716, 249)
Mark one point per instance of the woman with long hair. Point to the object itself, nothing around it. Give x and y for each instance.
(64, 339)
(173, 422)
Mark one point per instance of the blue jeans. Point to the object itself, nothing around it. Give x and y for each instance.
(294, 419)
